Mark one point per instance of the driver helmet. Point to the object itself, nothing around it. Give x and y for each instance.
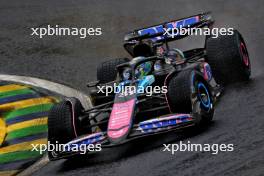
(175, 56)
(143, 69)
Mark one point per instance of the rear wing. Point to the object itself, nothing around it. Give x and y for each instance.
(156, 33)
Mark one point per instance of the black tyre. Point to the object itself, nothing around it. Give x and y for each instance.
(106, 71)
(228, 57)
(63, 123)
(188, 92)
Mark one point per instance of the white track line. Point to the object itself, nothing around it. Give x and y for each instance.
(53, 87)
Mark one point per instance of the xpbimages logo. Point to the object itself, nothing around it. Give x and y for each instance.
(129, 90)
(183, 31)
(81, 148)
(82, 32)
(191, 147)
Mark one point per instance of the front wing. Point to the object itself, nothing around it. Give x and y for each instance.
(143, 129)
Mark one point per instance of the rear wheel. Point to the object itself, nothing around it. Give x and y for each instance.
(228, 57)
(188, 92)
(106, 71)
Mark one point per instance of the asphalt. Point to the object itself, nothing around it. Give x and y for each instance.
(239, 115)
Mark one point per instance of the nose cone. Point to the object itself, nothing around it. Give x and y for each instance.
(120, 120)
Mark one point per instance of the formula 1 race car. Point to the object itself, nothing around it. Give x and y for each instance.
(159, 90)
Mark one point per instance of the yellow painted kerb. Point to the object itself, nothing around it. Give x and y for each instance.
(28, 123)
(2, 130)
(26, 103)
(11, 87)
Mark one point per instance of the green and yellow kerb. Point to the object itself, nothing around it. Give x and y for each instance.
(23, 122)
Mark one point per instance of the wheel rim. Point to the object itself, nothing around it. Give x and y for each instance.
(203, 95)
(244, 53)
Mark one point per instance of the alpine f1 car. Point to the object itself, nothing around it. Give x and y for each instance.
(193, 80)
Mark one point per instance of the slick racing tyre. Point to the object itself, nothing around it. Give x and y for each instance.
(106, 71)
(228, 57)
(188, 92)
(63, 123)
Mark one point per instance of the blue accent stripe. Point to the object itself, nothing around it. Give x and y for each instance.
(190, 21)
(18, 98)
(206, 104)
(163, 123)
(27, 117)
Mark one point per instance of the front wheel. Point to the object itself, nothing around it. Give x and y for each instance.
(63, 122)
(188, 92)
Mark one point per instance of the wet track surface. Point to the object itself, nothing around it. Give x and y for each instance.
(239, 116)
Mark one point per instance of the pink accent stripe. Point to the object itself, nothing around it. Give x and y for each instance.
(73, 118)
(205, 71)
(197, 18)
(245, 57)
(165, 84)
